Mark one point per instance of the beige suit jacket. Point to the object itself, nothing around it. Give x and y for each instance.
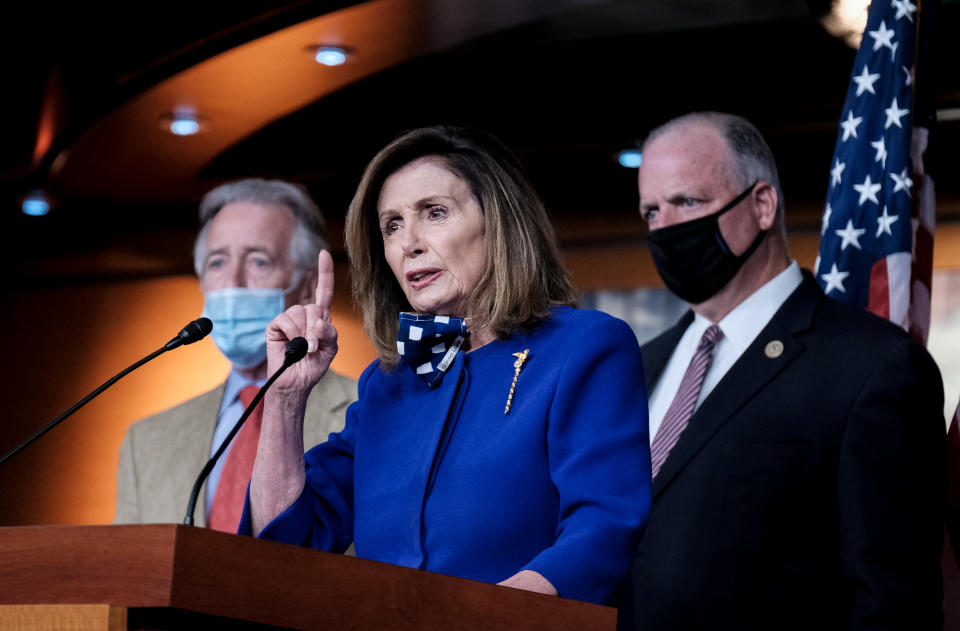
(161, 455)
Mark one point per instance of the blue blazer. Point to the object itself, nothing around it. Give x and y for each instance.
(443, 480)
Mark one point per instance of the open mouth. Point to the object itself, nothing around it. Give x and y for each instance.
(422, 277)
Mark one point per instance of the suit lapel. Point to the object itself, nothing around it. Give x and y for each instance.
(330, 394)
(657, 351)
(199, 426)
(325, 408)
(748, 376)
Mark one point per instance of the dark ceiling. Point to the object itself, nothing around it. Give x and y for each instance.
(566, 93)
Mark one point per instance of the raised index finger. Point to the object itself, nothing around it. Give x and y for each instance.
(324, 281)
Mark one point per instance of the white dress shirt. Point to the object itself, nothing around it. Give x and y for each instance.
(230, 411)
(740, 327)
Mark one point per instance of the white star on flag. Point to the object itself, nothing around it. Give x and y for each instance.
(850, 126)
(869, 211)
(836, 173)
(881, 151)
(884, 222)
(883, 37)
(894, 114)
(867, 190)
(834, 279)
(904, 8)
(850, 236)
(901, 182)
(826, 220)
(865, 81)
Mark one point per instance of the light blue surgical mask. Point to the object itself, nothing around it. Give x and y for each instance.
(240, 317)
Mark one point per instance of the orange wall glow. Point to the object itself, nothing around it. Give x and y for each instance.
(62, 343)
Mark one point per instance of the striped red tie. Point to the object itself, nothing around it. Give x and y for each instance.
(683, 405)
(231, 490)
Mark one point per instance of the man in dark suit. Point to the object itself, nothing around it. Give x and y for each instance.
(797, 443)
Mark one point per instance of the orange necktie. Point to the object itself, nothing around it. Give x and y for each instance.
(231, 491)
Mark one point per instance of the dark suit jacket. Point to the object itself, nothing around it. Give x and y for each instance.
(807, 491)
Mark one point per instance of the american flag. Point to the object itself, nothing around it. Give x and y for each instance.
(876, 242)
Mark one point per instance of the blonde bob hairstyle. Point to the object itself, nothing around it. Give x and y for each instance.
(523, 276)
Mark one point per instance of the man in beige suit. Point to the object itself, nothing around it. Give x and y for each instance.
(255, 255)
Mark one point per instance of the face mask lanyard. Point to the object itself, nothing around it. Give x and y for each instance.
(733, 204)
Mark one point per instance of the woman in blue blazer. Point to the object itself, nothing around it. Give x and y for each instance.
(502, 434)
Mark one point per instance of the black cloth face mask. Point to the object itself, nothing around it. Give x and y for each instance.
(693, 258)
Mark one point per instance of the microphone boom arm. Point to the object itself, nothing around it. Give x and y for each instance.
(296, 349)
(191, 333)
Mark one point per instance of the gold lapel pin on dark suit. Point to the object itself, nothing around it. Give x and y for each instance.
(774, 349)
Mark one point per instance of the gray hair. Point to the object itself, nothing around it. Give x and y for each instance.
(309, 236)
(752, 158)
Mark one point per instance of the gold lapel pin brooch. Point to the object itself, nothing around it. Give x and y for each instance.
(517, 367)
(774, 349)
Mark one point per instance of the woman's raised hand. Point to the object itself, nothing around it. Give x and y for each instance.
(311, 322)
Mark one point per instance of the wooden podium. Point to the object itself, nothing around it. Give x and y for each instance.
(182, 577)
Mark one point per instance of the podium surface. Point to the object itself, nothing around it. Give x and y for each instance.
(153, 570)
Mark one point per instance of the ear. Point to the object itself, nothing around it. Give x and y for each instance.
(765, 201)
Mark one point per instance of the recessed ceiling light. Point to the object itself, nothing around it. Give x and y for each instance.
(630, 158)
(184, 125)
(35, 204)
(330, 55)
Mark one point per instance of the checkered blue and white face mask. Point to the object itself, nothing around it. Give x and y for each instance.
(429, 344)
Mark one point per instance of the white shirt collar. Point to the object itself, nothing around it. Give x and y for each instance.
(747, 319)
(740, 328)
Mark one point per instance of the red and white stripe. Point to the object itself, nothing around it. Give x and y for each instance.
(900, 283)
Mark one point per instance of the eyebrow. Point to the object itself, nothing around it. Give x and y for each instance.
(432, 198)
(244, 252)
(423, 201)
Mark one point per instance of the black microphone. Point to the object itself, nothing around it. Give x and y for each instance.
(295, 351)
(196, 330)
(193, 332)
